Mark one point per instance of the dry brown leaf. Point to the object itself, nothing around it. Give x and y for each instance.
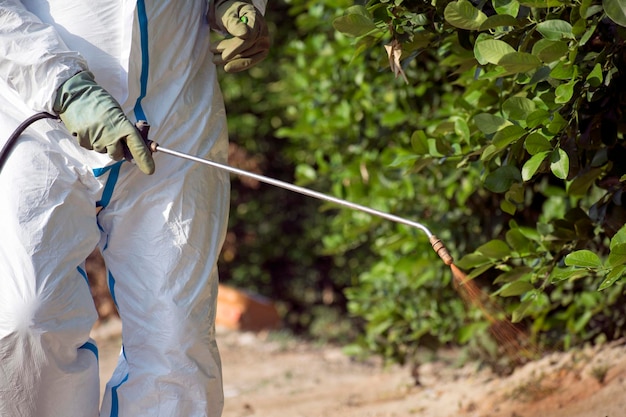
(394, 52)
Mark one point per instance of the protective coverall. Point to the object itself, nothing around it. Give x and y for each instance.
(160, 235)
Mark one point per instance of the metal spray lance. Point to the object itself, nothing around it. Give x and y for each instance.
(435, 242)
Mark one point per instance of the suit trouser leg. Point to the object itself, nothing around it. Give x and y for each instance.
(163, 236)
(48, 364)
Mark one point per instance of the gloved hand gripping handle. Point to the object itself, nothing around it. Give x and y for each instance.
(143, 128)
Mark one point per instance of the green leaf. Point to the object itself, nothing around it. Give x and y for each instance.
(393, 118)
(587, 299)
(515, 288)
(420, 41)
(563, 71)
(495, 249)
(380, 327)
(535, 76)
(550, 50)
(559, 163)
(489, 123)
(555, 29)
(618, 238)
(583, 258)
(540, 4)
(435, 145)
(581, 184)
(504, 137)
(584, 7)
(617, 256)
(510, 7)
(491, 51)
(537, 118)
(580, 27)
(360, 10)
(499, 20)
(479, 271)
(362, 45)
(518, 108)
(489, 152)
(469, 331)
(463, 15)
(564, 92)
(612, 277)
(513, 275)
(536, 142)
(582, 321)
(532, 165)
(556, 124)
(530, 232)
(517, 62)
(595, 77)
(305, 172)
(520, 312)
(516, 194)
(615, 10)
(588, 34)
(473, 260)
(496, 72)
(588, 9)
(518, 242)
(419, 142)
(462, 129)
(404, 160)
(502, 178)
(356, 22)
(569, 273)
(508, 207)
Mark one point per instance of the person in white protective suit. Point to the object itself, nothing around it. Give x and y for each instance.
(102, 65)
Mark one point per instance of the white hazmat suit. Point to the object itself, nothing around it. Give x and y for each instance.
(160, 235)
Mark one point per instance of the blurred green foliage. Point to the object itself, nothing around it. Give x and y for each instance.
(502, 131)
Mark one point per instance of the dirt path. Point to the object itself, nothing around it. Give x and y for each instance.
(274, 377)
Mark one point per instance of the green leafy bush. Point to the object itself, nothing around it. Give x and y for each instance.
(530, 114)
(502, 132)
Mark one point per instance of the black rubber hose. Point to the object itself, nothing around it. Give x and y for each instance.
(10, 143)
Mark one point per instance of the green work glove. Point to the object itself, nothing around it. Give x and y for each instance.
(250, 41)
(98, 122)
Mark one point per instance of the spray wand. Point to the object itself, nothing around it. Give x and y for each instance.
(435, 242)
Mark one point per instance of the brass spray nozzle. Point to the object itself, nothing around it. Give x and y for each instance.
(441, 250)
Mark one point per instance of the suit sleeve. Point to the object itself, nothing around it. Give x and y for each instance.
(34, 60)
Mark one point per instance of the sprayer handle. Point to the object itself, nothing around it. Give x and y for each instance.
(143, 127)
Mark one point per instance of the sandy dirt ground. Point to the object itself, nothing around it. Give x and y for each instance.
(272, 376)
